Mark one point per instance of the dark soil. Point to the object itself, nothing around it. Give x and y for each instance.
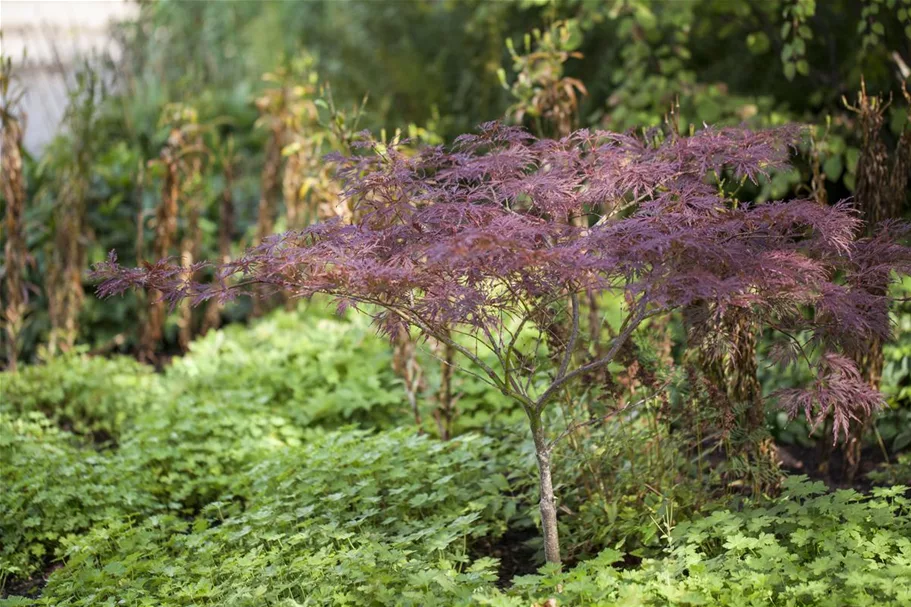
(30, 587)
(516, 551)
(830, 468)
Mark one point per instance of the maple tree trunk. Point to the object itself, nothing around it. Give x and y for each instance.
(548, 504)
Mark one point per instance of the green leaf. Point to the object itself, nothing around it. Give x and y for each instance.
(115, 568)
(758, 43)
(833, 167)
(789, 71)
(852, 155)
(901, 441)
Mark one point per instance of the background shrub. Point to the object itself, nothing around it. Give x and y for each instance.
(309, 365)
(90, 396)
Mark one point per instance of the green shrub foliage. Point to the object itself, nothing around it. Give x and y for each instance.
(310, 366)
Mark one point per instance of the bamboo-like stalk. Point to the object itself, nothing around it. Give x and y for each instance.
(269, 182)
(68, 256)
(212, 318)
(142, 296)
(165, 235)
(292, 182)
(265, 220)
(191, 242)
(882, 180)
(13, 185)
(64, 285)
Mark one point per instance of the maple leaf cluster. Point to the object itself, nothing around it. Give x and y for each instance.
(483, 234)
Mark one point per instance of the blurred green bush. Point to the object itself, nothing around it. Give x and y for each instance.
(90, 396)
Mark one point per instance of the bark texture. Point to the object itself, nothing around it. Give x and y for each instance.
(548, 504)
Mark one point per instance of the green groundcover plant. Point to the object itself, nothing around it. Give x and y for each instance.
(352, 518)
(83, 439)
(52, 489)
(310, 366)
(355, 518)
(808, 548)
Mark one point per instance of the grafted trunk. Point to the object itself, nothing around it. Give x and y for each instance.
(548, 503)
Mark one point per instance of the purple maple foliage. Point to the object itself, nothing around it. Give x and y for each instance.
(484, 240)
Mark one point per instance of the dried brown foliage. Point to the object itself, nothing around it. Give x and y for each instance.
(13, 187)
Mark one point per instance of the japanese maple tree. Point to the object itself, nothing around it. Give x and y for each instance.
(476, 246)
